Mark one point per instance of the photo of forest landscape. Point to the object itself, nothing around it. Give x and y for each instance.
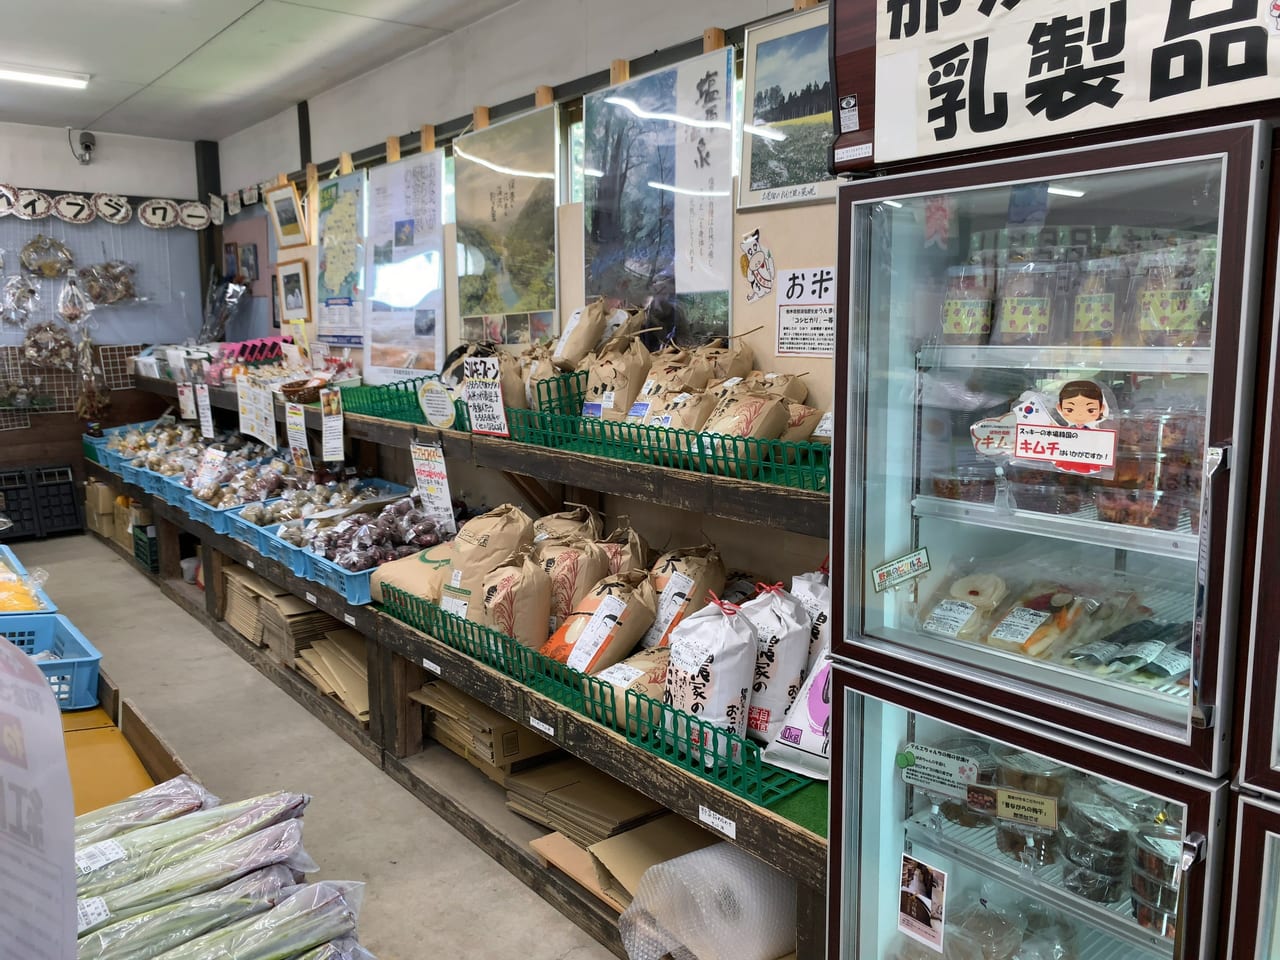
(505, 182)
(630, 226)
(792, 97)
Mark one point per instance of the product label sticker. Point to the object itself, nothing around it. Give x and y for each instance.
(758, 718)
(436, 404)
(1095, 313)
(730, 383)
(431, 665)
(902, 570)
(620, 675)
(455, 578)
(718, 822)
(662, 421)
(680, 398)
(606, 398)
(98, 855)
(349, 620)
(1172, 663)
(592, 409)
(205, 410)
(964, 317)
(849, 114)
(1142, 652)
(1066, 446)
(949, 617)
(1024, 315)
(690, 656)
(454, 605)
(1170, 310)
(639, 410)
(310, 598)
(187, 401)
(826, 426)
(937, 772)
(671, 603)
(90, 912)
(1019, 624)
(856, 152)
(650, 387)
(545, 729)
(1030, 809)
(922, 901)
(603, 622)
(210, 465)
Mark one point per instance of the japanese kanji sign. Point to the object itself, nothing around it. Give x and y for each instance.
(957, 74)
(807, 312)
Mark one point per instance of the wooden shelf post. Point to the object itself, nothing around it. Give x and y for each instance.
(480, 118)
(427, 137)
(712, 39)
(393, 149)
(345, 165)
(619, 72)
(544, 96)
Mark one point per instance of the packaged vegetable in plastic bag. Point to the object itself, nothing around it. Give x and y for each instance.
(574, 565)
(607, 624)
(164, 801)
(344, 948)
(517, 601)
(682, 579)
(313, 915)
(281, 843)
(73, 305)
(713, 661)
(150, 934)
(782, 625)
(803, 744)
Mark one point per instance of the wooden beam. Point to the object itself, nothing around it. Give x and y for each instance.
(544, 96)
(281, 179)
(712, 39)
(427, 137)
(313, 202)
(480, 118)
(393, 149)
(345, 165)
(803, 4)
(538, 495)
(619, 72)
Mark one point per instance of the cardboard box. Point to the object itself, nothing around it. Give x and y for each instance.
(140, 516)
(103, 524)
(123, 527)
(621, 860)
(489, 735)
(98, 498)
(290, 625)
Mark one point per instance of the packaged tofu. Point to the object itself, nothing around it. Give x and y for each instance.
(682, 579)
(782, 627)
(606, 625)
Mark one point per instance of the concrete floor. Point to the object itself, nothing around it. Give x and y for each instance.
(430, 890)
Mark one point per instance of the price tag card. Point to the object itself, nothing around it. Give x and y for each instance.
(210, 465)
(331, 425)
(433, 483)
(483, 393)
(186, 401)
(295, 422)
(937, 772)
(205, 410)
(257, 411)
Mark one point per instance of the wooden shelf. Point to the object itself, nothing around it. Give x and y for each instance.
(796, 851)
(761, 504)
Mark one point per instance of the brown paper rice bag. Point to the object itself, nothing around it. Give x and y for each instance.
(616, 375)
(734, 359)
(578, 522)
(509, 375)
(680, 411)
(483, 543)
(719, 389)
(517, 601)
(581, 333)
(606, 624)
(801, 421)
(788, 385)
(574, 565)
(421, 575)
(754, 415)
(624, 322)
(626, 550)
(682, 578)
(538, 367)
(645, 672)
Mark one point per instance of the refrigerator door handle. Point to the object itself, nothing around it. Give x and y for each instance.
(1193, 852)
(1217, 458)
(1193, 848)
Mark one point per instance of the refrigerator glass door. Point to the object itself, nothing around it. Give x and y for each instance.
(1254, 921)
(1047, 358)
(976, 841)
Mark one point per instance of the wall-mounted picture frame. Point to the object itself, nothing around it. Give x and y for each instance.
(295, 295)
(230, 260)
(787, 130)
(285, 209)
(247, 258)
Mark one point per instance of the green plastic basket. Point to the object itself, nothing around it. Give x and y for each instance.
(396, 401)
(563, 394)
(716, 755)
(146, 550)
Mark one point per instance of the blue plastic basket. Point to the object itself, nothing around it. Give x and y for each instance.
(73, 677)
(353, 587)
(10, 560)
(295, 558)
(151, 482)
(241, 529)
(130, 473)
(109, 458)
(174, 491)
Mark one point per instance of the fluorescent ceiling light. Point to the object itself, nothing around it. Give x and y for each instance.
(459, 152)
(764, 132)
(893, 203)
(592, 172)
(687, 193)
(1066, 192)
(50, 78)
(636, 110)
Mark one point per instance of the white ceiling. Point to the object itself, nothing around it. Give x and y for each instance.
(203, 69)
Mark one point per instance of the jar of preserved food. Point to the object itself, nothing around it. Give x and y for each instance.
(966, 305)
(1173, 300)
(1024, 310)
(1099, 303)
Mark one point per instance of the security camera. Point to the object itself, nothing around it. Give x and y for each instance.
(87, 144)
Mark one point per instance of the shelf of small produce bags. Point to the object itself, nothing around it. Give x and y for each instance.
(797, 851)
(581, 464)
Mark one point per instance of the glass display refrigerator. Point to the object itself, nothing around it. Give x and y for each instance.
(1044, 426)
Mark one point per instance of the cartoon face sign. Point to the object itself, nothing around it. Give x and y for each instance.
(757, 266)
(1081, 403)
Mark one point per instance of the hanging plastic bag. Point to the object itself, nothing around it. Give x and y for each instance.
(21, 294)
(73, 305)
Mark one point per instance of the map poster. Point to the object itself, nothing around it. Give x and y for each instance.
(340, 278)
(404, 266)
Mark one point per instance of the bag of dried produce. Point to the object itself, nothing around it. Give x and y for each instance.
(782, 630)
(574, 566)
(626, 550)
(517, 601)
(578, 522)
(583, 330)
(606, 625)
(615, 376)
(682, 579)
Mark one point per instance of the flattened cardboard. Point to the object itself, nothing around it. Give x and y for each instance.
(621, 860)
(565, 855)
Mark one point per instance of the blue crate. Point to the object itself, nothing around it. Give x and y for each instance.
(173, 491)
(9, 559)
(353, 587)
(73, 677)
(295, 558)
(109, 458)
(131, 474)
(241, 529)
(215, 519)
(151, 482)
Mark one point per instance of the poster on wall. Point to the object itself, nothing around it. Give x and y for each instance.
(658, 207)
(787, 130)
(404, 269)
(959, 76)
(339, 279)
(505, 179)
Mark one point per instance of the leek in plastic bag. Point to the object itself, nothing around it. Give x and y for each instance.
(164, 801)
(281, 843)
(314, 915)
(345, 949)
(113, 863)
(150, 934)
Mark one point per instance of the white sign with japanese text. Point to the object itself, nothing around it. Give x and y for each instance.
(1066, 446)
(702, 182)
(433, 483)
(483, 393)
(958, 74)
(806, 312)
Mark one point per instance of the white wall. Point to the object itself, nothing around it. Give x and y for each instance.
(40, 157)
(260, 152)
(496, 59)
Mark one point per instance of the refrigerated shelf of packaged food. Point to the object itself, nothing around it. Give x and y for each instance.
(1081, 359)
(976, 848)
(1081, 527)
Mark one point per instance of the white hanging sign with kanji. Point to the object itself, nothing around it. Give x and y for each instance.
(958, 74)
(806, 312)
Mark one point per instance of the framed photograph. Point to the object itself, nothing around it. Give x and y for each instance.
(295, 298)
(248, 259)
(275, 304)
(230, 260)
(787, 126)
(285, 210)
